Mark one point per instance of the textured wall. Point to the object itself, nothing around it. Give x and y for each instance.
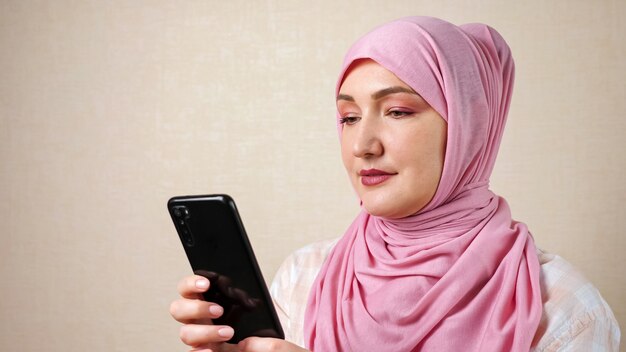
(108, 108)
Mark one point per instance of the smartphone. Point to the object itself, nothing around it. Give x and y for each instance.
(217, 248)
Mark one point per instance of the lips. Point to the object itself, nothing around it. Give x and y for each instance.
(373, 177)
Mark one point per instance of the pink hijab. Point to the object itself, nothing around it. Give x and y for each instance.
(460, 275)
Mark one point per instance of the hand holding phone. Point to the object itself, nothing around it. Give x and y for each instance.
(197, 316)
(218, 249)
(198, 332)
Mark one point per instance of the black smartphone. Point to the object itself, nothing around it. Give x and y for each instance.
(218, 248)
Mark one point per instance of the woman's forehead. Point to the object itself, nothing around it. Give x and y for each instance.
(369, 75)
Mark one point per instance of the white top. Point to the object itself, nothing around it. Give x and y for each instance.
(575, 317)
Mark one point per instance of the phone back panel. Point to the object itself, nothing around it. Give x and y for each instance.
(217, 247)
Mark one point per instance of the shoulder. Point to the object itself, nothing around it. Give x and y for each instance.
(303, 264)
(292, 283)
(311, 256)
(575, 316)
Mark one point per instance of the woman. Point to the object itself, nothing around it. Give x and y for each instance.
(434, 262)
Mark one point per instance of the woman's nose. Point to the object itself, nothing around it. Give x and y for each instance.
(367, 142)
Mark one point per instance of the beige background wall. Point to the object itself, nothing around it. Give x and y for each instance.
(108, 108)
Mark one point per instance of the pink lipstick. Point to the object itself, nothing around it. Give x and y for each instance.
(373, 177)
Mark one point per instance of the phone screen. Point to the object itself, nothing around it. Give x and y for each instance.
(217, 247)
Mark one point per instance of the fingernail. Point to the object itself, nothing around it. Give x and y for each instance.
(202, 283)
(226, 332)
(216, 310)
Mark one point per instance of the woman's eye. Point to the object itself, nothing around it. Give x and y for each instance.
(349, 120)
(398, 113)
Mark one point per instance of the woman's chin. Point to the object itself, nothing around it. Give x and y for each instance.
(388, 211)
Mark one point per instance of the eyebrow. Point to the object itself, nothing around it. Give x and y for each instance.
(380, 94)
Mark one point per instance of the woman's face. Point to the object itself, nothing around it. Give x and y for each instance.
(392, 143)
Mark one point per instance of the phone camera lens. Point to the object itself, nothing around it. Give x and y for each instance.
(181, 212)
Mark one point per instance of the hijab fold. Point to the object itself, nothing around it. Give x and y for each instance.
(460, 275)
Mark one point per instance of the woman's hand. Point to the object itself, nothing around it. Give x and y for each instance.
(268, 344)
(198, 330)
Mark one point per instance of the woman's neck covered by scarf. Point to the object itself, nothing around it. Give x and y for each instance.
(461, 274)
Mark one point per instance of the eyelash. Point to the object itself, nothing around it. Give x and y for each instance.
(348, 120)
(401, 112)
(396, 114)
